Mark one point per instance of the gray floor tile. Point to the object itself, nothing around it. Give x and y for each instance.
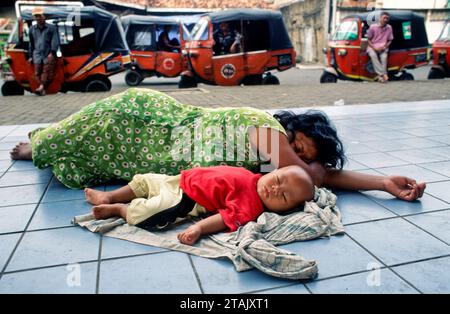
(119, 248)
(76, 278)
(420, 142)
(381, 281)
(354, 165)
(58, 214)
(430, 276)
(356, 207)
(437, 223)
(169, 272)
(4, 165)
(396, 241)
(439, 167)
(294, 289)
(55, 247)
(377, 160)
(4, 155)
(7, 244)
(220, 276)
(22, 165)
(15, 218)
(439, 190)
(386, 146)
(355, 147)
(25, 177)
(58, 192)
(426, 203)
(335, 256)
(25, 194)
(416, 156)
(413, 171)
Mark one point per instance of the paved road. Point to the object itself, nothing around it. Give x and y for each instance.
(299, 88)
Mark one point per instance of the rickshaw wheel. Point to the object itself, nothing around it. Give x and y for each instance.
(187, 82)
(407, 77)
(97, 85)
(255, 79)
(12, 88)
(435, 74)
(133, 78)
(271, 80)
(327, 77)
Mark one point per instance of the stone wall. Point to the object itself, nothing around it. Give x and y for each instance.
(307, 27)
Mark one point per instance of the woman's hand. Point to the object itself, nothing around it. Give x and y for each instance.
(404, 188)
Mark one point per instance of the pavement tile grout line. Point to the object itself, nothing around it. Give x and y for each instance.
(197, 277)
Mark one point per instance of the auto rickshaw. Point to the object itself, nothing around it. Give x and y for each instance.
(346, 54)
(92, 47)
(264, 45)
(148, 54)
(441, 55)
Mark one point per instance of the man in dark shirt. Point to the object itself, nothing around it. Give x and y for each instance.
(225, 40)
(43, 47)
(166, 44)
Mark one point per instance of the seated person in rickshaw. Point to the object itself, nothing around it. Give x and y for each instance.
(166, 44)
(226, 40)
(380, 37)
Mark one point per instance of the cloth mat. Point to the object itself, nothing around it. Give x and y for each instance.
(252, 245)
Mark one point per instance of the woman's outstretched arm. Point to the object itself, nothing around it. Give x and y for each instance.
(400, 186)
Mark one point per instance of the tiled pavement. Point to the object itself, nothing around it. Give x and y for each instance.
(390, 246)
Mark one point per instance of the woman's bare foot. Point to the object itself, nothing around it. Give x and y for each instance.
(96, 197)
(105, 211)
(22, 151)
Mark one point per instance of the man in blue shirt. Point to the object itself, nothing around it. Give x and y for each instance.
(43, 47)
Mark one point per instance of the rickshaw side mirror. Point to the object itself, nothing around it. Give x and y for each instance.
(364, 44)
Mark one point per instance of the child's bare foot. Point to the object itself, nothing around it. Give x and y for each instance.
(105, 211)
(190, 235)
(96, 197)
(21, 151)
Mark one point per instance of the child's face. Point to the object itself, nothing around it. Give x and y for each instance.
(285, 188)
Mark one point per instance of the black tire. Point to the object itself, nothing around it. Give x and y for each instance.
(271, 80)
(12, 88)
(407, 77)
(255, 79)
(187, 82)
(328, 77)
(97, 85)
(133, 78)
(435, 74)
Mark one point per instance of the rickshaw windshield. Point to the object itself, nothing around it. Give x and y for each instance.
(445, 35)
(347, 30)
(14, 35)
(200, 30)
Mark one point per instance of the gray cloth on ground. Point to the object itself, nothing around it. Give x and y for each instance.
(252, 245)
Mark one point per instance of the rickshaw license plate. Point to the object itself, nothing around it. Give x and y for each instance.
(421, 58)
(284, 60)
(113, 65)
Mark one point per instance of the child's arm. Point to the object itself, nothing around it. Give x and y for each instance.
(209, 225)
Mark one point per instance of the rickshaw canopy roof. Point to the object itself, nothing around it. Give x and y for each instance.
(398, 18)
(279, 37)
(147, 20)
(109, 34)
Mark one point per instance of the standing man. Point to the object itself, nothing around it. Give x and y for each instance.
(43, 47)
(380, 37)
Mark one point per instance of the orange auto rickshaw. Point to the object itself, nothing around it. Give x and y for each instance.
(441, 55)
(149, 54)
(92, 47)
(346, 54)
(263, 45)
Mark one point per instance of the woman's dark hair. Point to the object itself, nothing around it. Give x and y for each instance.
(316, 125)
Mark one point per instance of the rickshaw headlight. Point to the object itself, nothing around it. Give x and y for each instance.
(325, 50)
(342, 52)
(184, 52)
